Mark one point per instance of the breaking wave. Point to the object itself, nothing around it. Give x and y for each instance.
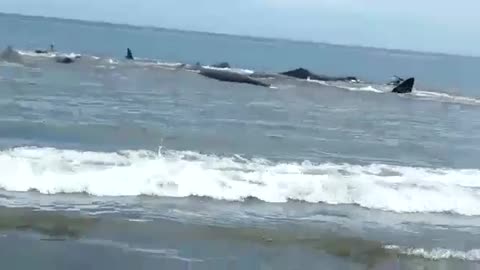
(183, 174)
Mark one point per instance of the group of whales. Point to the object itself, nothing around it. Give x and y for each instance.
(222, 71)
(401, 86)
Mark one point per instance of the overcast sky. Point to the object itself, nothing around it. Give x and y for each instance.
(426, 25)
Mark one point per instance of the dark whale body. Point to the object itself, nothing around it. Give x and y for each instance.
(301, 73)
(222, 65)
(229, 76)
(405, 86)
(64, 60)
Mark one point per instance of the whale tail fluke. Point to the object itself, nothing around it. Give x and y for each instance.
(405, 86)
(129, 54)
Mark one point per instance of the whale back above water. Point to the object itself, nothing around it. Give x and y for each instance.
(301, 73)
(221, 65)
(405, 87)
(230, 76)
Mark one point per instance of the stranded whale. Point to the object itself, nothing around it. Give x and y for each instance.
(301, 73)
(221, 65)
(228, 76)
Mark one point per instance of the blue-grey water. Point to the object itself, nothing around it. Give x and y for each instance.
(115, 164)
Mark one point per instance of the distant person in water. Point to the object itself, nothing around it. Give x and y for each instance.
(129, 54)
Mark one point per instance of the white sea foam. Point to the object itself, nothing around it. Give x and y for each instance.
(419, 94)
(182, 174)
(367, 88)
(444, 97)
(349, 86)
(438, 253)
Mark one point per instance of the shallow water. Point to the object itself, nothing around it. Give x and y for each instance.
(186, 172)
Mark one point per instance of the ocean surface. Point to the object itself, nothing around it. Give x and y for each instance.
(113, 164)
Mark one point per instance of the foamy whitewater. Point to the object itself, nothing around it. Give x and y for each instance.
(439, 254)
(182, 174)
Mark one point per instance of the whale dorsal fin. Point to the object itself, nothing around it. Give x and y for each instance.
(129, 54)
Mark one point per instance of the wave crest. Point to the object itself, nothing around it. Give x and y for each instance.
(183, 174)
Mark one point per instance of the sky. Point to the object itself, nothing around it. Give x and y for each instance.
(443, 26)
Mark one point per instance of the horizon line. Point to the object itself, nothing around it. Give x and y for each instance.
(154, 27)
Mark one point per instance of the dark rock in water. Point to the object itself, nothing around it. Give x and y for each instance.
(405, 87)
(129, 54)
(301, 73)
(64, 59)
(229, 76)
(11, 55)
(222, 65)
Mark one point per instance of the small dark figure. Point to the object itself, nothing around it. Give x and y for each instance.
(129, 54)
(64, 60)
